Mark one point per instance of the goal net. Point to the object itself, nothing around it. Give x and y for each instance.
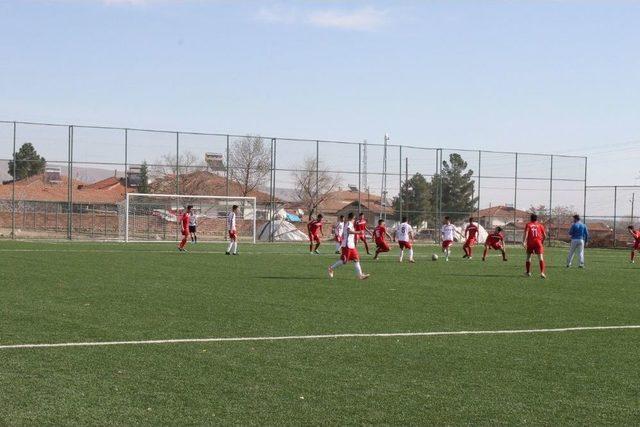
(156, 217)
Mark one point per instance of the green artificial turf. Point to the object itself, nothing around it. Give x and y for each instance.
(65, 292)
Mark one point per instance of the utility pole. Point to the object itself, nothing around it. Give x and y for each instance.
(365, 181)
(384, 177)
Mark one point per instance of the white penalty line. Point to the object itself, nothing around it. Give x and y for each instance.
(319, 337)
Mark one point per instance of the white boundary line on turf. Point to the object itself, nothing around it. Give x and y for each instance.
(318, 337)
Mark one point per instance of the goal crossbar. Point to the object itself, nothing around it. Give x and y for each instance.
(179, 197)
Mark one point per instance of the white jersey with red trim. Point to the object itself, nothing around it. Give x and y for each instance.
(348, 238)
(231, 221)
(403, 232)
(448, 232)
(338, 228)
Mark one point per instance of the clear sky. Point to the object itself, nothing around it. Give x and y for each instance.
(557, 76)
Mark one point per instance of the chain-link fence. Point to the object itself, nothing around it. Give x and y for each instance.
(77, 188)
(610, 211)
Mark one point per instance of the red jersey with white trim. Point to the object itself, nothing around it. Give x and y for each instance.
(472, 231)
(494, 238)
(636, 235)
(379, 233)
(360, 224)
(314, 227)
(185, 220)
(535, 233)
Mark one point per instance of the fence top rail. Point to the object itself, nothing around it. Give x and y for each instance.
(187, 196)
(613, 186)
(228, 135)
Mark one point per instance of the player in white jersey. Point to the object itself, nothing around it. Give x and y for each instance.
(338, 229)
(193, 223)
(404, 236)
(348, 249)
(233, 233)
(448, 234)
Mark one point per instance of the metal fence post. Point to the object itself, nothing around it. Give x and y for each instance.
(615, 213)
(400, 183)
(479, 177)
(584, 198)
(70, 185)
(228, 170)
(177, 163)
(126, 186)
(13, 186)
(515, 199)
(317, 192)
(551, 201)
(359, 176)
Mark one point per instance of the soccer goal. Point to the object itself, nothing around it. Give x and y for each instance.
(156, 217)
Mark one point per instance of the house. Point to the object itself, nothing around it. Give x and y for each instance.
(206, 183)
(42, 188)
(341, 201)
(501, 216)
(372, 211)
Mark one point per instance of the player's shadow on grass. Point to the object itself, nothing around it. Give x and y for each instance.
(480, 275)
(287, 277)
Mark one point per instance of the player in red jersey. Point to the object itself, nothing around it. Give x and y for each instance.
(534, 236)
(379, 234)
(495, 241)
(471, 238)
(361, 225)
(184, 222)
(315, 232)
(636, 242)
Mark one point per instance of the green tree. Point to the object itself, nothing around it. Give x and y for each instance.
(143, 186)
(416, 198)
(26, 162)
(457, 188)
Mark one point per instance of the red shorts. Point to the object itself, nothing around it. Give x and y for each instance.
(382, 246)
(338, 239)
(349, 254)
(497, 246)
(447, 244)
(314, 238)
(404, 245)
(360, 237)
(185, 232)
(470, 242)
(233, 235)
(535, 248)
(636, 245)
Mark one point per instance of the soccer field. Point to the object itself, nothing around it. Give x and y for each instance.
(95, 293)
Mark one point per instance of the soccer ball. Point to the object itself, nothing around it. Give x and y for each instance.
(434, 257)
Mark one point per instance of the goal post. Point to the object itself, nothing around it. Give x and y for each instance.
(156, 217)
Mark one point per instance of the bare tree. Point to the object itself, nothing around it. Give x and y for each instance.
(167, 165)
(249, 163)
(313, 187)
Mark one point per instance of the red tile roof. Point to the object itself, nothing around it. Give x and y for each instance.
(502, 212)
(35, 188)
(204, 183)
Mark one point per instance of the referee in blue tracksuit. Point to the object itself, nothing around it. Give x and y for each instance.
(579, 237)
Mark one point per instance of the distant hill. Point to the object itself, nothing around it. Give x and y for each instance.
(80, 173)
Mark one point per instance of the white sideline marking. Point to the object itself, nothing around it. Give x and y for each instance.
(317, 337)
